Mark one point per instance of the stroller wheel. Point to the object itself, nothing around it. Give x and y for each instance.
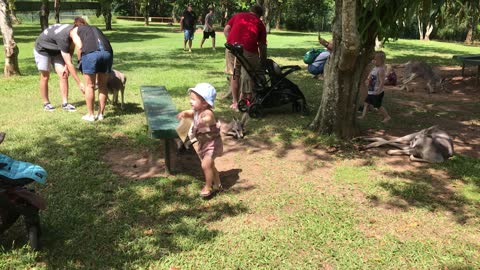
(296, 107)
(33, 235)
(304, 110)
(255, 111)
(300, 107)
(243, 105)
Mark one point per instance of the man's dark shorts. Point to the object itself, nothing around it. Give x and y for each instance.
(97, 62)
(208, 34)
(375, 100)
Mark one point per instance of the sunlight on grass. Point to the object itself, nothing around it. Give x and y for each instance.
(330, 211)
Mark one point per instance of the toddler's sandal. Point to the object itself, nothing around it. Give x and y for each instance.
(207, 194)
(218, 188)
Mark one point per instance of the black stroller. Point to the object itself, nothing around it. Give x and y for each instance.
(272, 91)
(16, 199)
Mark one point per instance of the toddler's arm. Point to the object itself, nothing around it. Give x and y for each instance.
(208, 118)
(185, 114)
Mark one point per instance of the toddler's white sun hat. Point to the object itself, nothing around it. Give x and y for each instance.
(206, 91)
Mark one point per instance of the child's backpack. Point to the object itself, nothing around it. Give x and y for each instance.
(310, 55)
(391, 78)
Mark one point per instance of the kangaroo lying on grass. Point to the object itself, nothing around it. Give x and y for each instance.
(418, 69)
(428, 145)
(234, 128)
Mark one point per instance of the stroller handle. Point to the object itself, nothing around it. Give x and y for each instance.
(236, 49)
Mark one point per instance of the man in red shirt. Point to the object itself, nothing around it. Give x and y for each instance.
(247, 29)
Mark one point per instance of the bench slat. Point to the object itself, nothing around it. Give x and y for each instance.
(160, 112)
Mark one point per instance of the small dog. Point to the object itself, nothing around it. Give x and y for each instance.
(116, 82)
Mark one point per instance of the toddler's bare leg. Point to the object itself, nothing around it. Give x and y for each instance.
(208, 167)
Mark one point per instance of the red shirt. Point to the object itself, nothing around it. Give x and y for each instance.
(248, 30)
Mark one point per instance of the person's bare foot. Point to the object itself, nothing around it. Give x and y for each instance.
(386, 120)
(234, 106)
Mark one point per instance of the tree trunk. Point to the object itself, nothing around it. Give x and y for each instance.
(428, 31)
(56, 7)
(277, 20)
(343, 73)
(44, 12)
(11, 49)
(11, 11)
(224, 17)
(378, 44)
(266, 15)
(146, 15)
(469, 38)
(420, 28)
(107, 15)
(174, 16)
(108, 20)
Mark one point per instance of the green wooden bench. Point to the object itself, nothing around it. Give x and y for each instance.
(470, 60)
(161, 119)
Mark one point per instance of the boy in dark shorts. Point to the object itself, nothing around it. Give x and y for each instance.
(375, 83)
(208, 30)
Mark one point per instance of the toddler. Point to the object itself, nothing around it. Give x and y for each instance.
(206, 130)
(375, 84)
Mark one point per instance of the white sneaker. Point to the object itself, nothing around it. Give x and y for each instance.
(89, 118)
(99, 117)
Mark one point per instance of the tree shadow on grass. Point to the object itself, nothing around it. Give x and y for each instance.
(94, 212)
(435, 193)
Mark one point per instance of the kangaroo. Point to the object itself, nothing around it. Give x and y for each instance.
(431, 145)
(234, 128)
(116, 82)
(418, 69)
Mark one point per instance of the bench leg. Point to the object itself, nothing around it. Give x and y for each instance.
(170, 156)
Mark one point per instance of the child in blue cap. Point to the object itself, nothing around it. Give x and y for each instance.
(206, 130)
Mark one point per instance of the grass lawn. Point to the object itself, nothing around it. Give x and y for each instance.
(290, 205)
